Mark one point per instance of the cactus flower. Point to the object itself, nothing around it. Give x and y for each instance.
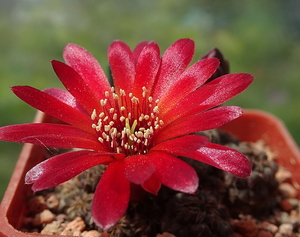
(139, 127)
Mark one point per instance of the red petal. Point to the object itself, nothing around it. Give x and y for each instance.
(191, 104)
(122, 66)
(190, 80)
(76, 85)
(230, 85)
(111, 197)
(224, 158)
(210, 119)
(153, 184)
(138, 168)
(51, 135)
(146, 69)
(88, 68)
(175, 173)
(61, 168)
(138, 49)
(208, 96)
(50, 105)
(182, 144)
(174, 61)
(67, 98)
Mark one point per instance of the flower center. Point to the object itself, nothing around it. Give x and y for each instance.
(125, 124)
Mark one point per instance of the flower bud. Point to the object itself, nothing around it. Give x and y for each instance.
(224, 64)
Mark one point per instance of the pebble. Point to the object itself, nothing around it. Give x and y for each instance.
(294, 202)
(265, 225)
(264, 233)
(284, 217)
(44, 217)
(283, 175)
(92, 233)
(246, 226)
(294, 216)
(52, 202)
(61, 217)
(279, 235)
(74, 227)
(286, 229)
(288, 190)
(286, 205)
(165, 234)
(36, 204)
(52, 228)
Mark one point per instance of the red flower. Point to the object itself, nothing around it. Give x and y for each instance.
(138, 127)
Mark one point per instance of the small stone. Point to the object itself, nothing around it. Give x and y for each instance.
(294, 216)
(74, 227)
(91, 233)
(52, 202)
(36, 204)
(44, 217)
(52, 228)
(246, 226)
(288, 190)
(279, 235)
(265, 225)
(264, 233)
(284, 217)
(283, 175)
(165, 234)
(286, 229)
(286, 205)
(295, 202)
(61, 217)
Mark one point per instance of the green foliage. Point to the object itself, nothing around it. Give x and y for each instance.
(258, 37)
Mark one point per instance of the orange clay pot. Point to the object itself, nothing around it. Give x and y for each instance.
(253, 125)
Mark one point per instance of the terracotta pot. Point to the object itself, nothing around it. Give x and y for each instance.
(13, 205)
(256, 125)
(253, 125)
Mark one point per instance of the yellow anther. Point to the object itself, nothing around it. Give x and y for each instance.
(115, 96)
(106, 118)
(107, 128)
(100, 139)
(122, 118)
(155, 109)
(94, 114)
(103, 102)
(115, 116)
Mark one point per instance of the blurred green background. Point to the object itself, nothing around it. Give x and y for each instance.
(258, 37)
